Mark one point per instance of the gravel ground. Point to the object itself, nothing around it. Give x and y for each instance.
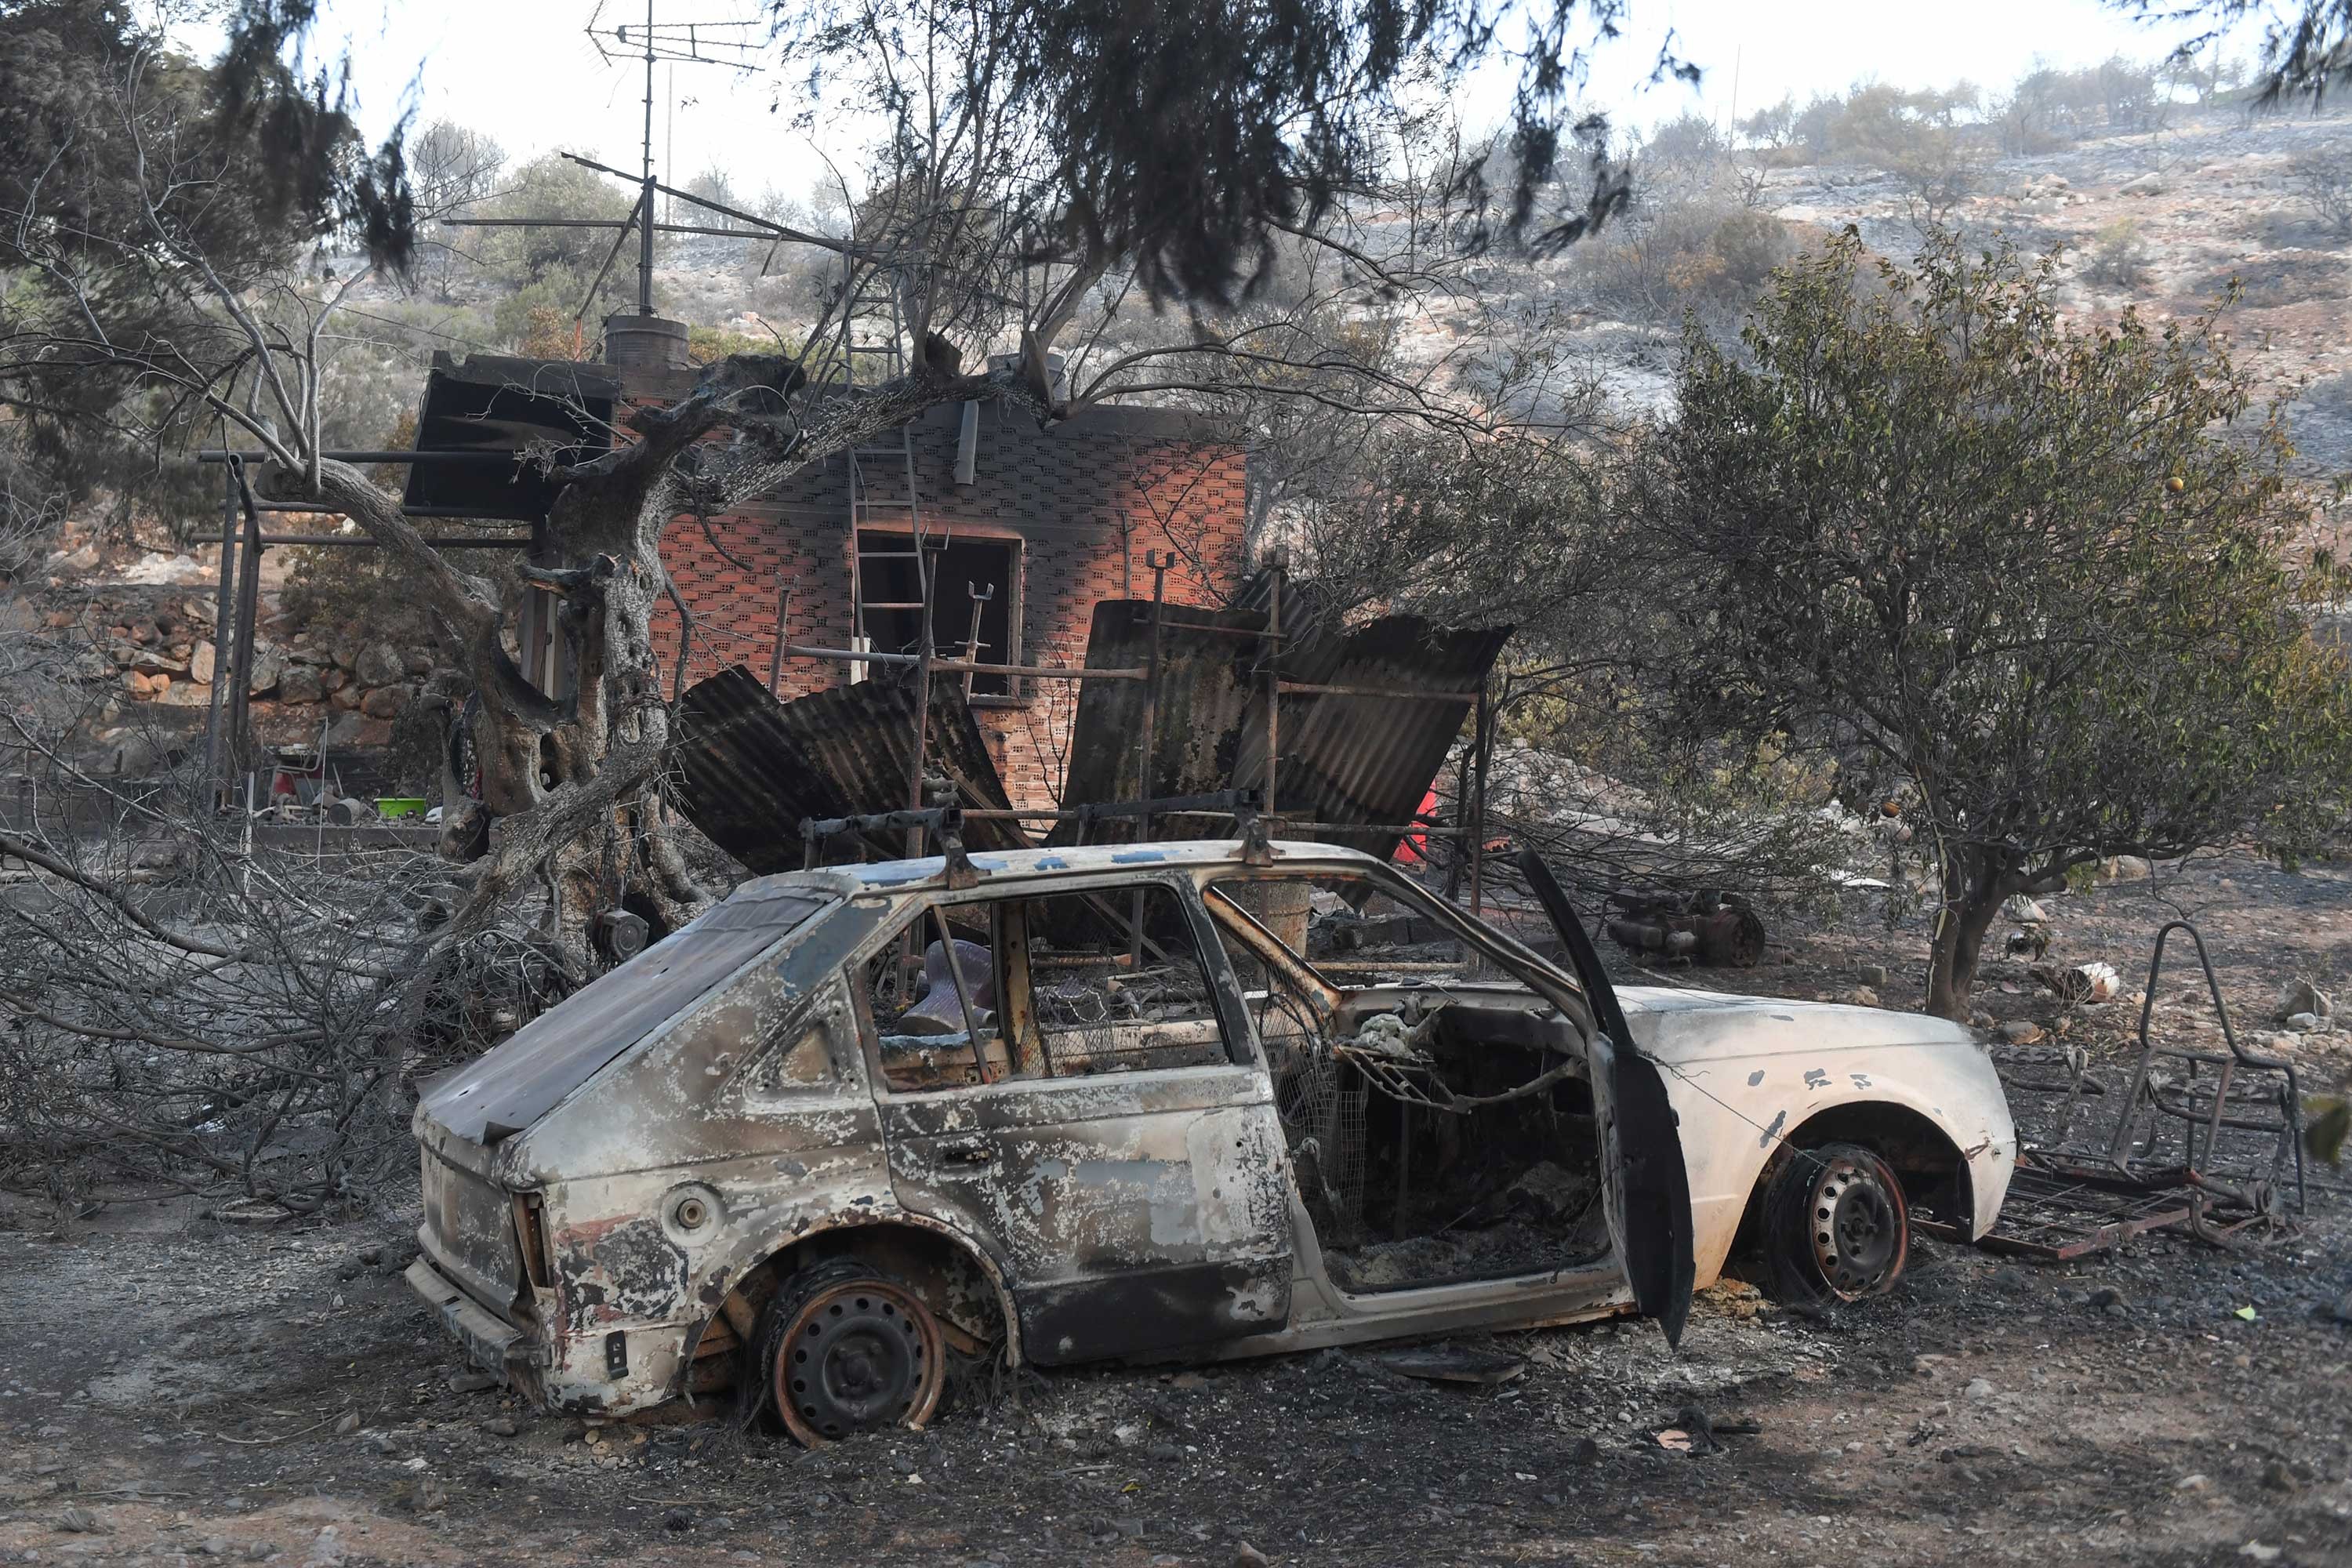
(174, 1389)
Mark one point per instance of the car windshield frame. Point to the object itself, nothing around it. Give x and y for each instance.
(1547, 980)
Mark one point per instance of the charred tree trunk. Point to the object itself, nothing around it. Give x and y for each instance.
(571, 799)
(1975, 880)
(571, 803)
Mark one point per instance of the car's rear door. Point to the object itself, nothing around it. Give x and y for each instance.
(1112, 1137)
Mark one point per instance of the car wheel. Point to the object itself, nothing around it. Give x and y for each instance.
(844, 1349)
(1835, 1225)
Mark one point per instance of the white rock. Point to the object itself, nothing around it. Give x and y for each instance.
(2302, 1023)
(1979, 1388)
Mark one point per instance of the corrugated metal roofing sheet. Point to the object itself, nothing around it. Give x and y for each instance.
(1343, 759)
(750, 767)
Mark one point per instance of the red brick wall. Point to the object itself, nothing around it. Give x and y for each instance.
(1087, 500)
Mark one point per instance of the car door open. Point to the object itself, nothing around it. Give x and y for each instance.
(1648, 1183)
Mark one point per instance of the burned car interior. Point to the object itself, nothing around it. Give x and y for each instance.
(1064, 985)
(1439, 1134)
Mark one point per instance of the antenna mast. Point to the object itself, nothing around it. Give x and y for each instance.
(671, 41)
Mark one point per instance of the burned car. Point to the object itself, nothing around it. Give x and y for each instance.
(1145, 1101)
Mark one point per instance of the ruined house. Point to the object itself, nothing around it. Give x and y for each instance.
(1028, 529)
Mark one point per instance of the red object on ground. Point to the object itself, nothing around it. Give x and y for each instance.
(1414, 850)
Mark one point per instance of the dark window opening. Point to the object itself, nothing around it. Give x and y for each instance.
(959, 568)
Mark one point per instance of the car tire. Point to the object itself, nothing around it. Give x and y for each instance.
(1836, 1227)
(844, 1348)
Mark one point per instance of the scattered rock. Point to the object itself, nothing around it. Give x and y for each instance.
(472, 1382)
(348, 1424)
(1586, 1452)
(1248, 1556)
(267, 670)
(78, 1521)
(187, 694)
(385, 703)
(500, 1427)
(2303, 996)
(2278, 1477)
(302, 684)
(2145, 185)
(1979, 1388)
(2020, 1032)
(2126, 868)
(1860, 997)
(379, 664)
(678, 1522)
(1873, 976)
(2302, 1023)
(2196, 1483)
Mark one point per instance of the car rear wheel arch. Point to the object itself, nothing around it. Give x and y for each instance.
(1933, 1171)
(954, 1277)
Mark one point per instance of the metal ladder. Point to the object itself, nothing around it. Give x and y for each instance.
(882, 493)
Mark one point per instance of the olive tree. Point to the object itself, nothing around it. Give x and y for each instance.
(2031, 569)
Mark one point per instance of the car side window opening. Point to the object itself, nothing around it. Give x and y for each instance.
(1439, 1132)
(802, 1051)
(1058, 985)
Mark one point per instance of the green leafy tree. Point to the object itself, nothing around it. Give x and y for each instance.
(2034, 570)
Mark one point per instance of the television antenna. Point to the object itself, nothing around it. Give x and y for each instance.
(733, 45)
(730, 43)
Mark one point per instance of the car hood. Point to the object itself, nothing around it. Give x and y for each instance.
(1677, 1024)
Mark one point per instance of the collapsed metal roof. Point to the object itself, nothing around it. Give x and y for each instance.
(1342, 758)
(751, 768)
(499, 402)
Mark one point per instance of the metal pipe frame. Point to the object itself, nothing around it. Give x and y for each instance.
(969, 667)
(222, 455)
(363, 541)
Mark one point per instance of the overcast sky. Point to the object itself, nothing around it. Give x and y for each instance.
(526, 71)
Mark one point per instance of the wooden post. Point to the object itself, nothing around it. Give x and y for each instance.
(1159, 561)
(1482, 747)
(1273, 683)
(216, 774)
(248, 617)
(924, 653)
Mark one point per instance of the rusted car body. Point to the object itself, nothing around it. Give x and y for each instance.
(626, 1203)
